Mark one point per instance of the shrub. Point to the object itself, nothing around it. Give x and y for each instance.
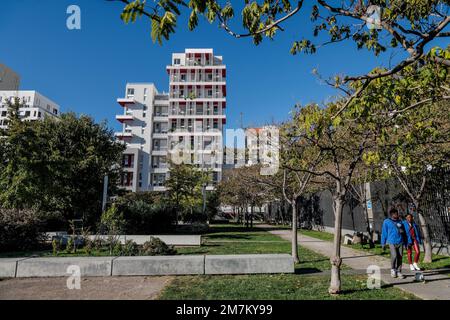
(88, 245)
(56, 246)
(156, 247)
(70, 245)
(98, 243)
(20, 230)
(145, 213)
(130, 248)
(117, 249)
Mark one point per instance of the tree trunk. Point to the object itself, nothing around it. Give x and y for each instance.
(294, 233)
(335, 284)
(428, 250)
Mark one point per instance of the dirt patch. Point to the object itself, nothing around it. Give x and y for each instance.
(92, 288)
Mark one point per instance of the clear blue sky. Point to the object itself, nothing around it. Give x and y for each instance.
(86, 70)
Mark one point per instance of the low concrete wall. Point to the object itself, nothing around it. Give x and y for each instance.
(249, 263)
(172, 240)
(147, 265)
(161, 265)
(8, 267)
(57, 267)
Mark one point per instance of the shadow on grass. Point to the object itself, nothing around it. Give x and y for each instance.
(236, 228)
(229, 236)
(300, 270)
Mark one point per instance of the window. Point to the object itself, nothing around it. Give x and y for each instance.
(176, 61)
(130, 92)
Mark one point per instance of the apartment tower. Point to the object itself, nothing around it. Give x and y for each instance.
(184, 125)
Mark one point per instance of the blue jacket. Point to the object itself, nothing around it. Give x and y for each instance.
(390, 233)
(416, 232)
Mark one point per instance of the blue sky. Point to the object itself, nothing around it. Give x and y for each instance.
(86, 70)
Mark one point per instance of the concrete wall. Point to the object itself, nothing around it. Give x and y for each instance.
(146, 265)
(172, 240)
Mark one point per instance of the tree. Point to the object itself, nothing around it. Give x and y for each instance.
(407, 26)
(410, 117)
(340, 144)
(57, 166)
(184, 186)
(417, 143)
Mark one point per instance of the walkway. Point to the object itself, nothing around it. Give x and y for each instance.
(436, 286)
(91, 288)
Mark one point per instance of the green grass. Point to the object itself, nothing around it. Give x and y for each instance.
(227, 239)
(49, 253)
(236, 239)
(439, 261)
(326, 236)
(276, 287)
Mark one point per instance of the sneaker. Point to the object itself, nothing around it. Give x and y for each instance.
(416, 266)
(400, 275)
(412, 268)
(393, 274)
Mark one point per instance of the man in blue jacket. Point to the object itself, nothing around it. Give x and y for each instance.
(393, 233)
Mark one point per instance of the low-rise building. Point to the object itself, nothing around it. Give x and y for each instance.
(36, 106)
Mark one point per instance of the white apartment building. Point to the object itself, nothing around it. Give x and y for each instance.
(9, 80)
(183, 125)
(37, 106)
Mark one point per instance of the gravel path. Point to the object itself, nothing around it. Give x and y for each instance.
(92, 288)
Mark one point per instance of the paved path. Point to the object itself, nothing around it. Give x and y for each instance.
(92, 288)
(437, 285)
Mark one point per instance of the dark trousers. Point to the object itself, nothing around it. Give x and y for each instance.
(396, 256)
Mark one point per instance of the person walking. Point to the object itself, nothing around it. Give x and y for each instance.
(414, 241)
(393, 233)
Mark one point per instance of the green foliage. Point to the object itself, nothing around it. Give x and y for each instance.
(70, 245)
(130, 248)
(55, 246)
(57, 166)
(146, 213)
(88, 245)
(185, 186)
(156, 247)
(112, 221)
(20, 230)
(117, 248)
(212, 204)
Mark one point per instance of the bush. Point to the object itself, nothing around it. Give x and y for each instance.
(20, 230)
(194, 216)
(156, 247)
(117, 249)
(146, 213)
(130, 248)
(70, 245)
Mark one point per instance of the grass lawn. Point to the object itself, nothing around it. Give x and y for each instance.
(276, 287)
(229, 239)
(439, 261)
(49, 253)
(236, 239)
